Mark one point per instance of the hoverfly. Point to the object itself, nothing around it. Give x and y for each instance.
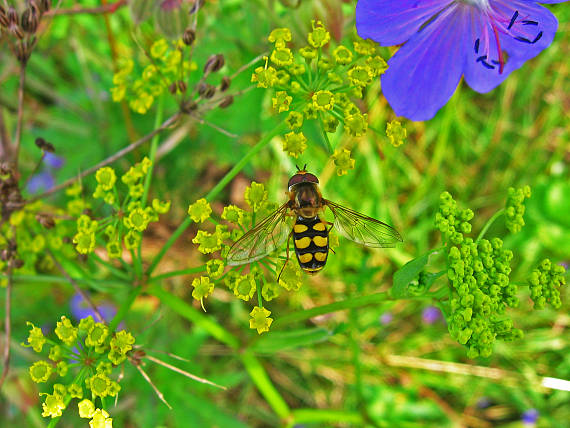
(302, 218)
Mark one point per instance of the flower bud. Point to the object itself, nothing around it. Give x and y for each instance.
(196, 6)
(189, 36)
(227, 101)
(3, 18)
(188, 107)
(172, 88)
(44, 145)
(45, 220)
(182, 86)
(30, 19)
(225, 84)
(44, 5)
(214, 63)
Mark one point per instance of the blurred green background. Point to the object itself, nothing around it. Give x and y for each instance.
(331, 370)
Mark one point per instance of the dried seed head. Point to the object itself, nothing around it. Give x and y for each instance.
(189, 36)
(30, 19)
(172, 88)
(13, 24)
(24, 51)
(182, 86)
(197, 6)
(214, 63)
(45, 5)
(45, 220)
(225, 84)
(211, 91)
(3, 18)
(188, 107)
(18, 263)
(227, 101)
(44, 145)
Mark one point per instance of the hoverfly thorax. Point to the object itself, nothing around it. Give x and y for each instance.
(307, 199)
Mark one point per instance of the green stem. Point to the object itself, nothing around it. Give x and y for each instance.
(263, 383)
(215, 191)
(124, 308)
(355, 302)
(177, 273)
(190, 313)
(489, 223)
(153, 148)
(117, 272)
(301, 416)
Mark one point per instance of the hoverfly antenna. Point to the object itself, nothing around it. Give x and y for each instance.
(305, 167)
(298, 169)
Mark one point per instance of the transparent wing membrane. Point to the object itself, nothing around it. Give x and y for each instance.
(264, 238)
(363, 229)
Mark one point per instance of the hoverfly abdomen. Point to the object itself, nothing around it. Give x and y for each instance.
(311, 241)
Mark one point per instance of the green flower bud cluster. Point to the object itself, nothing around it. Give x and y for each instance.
(479, 278)
(396, 133)
(129, 218)
(313, 83)
(244, 284)
(480, 287)
(38, 230)
(515, 208)
(451, 222)
(545, 282)
(82, 359)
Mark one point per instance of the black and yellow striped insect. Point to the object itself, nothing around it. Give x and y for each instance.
(302, 218)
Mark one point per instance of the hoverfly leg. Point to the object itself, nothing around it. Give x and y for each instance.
(287, 259)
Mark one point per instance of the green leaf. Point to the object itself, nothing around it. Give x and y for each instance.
(275, 341)
(408, 273)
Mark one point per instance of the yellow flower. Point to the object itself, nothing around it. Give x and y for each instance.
(199, 211)
(260, 319)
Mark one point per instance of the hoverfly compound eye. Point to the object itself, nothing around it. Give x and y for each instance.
(302, 177)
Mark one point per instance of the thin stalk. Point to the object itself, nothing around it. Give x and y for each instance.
(124, 308)
(173, 273)
(355, 302)
(20, 116)
(7, 325)
(167, 123)
(489, 223)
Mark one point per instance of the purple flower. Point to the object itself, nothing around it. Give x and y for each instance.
(41, 182)
(482, 40)
(386, 318)
(431, 314)
(529, 417)
(54, 161)
(80, 309)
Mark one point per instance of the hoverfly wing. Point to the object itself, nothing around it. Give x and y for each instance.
(363, 229)
(265, 237)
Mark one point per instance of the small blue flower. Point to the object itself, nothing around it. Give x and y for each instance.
(482, 40)
(431, 314)
(54, 161)
(529, 417)
(40, 182)
(386, 318)
(80, 309)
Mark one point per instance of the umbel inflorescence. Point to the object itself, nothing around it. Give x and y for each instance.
(82, 359)
(320, 82)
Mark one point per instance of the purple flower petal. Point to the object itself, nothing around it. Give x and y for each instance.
(40, 182)
(391, 22)
(529, 416)
(80, 309)
(431, 314)
(386, 318)
(424, 73)
(521, 29)
(53, 160)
